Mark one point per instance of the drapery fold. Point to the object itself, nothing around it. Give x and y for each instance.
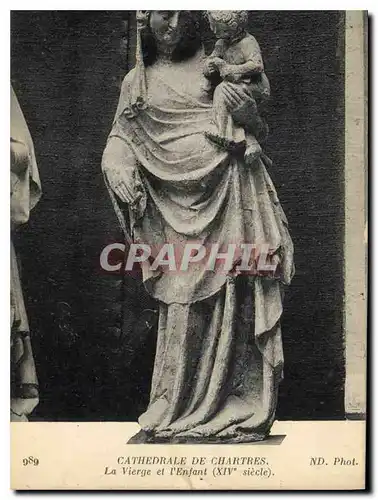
(195, 193)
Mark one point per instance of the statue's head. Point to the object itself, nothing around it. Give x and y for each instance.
(171, 31)
(227, 23)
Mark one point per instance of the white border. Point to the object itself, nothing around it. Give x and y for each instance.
(6, 6)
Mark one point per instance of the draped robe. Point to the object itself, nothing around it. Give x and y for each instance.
(219, 350)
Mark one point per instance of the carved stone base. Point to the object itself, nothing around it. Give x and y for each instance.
(143, 437)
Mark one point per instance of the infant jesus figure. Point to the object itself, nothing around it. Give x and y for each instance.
(236, 58)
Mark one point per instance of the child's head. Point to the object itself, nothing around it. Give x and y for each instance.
(227, 23)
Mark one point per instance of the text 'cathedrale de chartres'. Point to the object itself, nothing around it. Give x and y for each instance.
(175, 461)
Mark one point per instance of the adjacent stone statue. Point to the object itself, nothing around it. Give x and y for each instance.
(219, 355)
(25, 194)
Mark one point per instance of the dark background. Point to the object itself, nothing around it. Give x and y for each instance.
(94, 334)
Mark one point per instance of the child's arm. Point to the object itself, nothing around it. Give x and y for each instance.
(236, 72)
(211, 65)
(253, 64)
(219, 49)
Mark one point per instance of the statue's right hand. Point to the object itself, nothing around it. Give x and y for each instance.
(125, 183)
(121, 170)
(125, 195)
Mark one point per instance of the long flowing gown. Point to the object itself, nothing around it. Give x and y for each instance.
(219, 352)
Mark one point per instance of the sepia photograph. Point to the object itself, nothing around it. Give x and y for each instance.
(188, 217)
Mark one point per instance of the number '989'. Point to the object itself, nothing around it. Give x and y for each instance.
(30, 461)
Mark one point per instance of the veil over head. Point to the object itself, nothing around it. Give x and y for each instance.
(137, 98)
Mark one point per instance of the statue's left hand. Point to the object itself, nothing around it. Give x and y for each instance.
(240, 103)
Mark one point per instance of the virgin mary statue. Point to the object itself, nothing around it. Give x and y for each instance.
(219, 355)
